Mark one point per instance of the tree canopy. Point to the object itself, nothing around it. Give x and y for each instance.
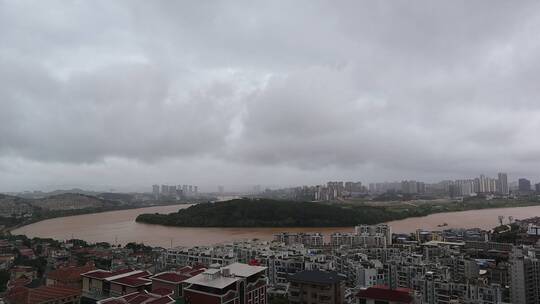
(269, 213)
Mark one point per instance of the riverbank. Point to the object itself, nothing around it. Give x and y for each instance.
(273, 213)
(52, 214)
(398, 211)
(119, 227)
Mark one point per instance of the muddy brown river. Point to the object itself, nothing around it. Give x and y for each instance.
(120, 227)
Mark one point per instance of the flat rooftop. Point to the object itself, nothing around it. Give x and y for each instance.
(214, 278)
(218, 282)
(244, 270)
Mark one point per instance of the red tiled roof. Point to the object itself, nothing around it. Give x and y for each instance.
(184, 269)
(26, 252)
(162, 300)
(142, 274)
(199, 266)
(171, 277)
(400, 295)
(140, 298)
(41, 294)
(102, 274)
(130, 296)
(21, 281)
(47, 293)
(254, 262)
(132, 281)
(162, 291)
(113, 301)
(69, 273)
(18, 294)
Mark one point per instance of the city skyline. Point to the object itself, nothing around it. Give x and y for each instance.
(492, 186)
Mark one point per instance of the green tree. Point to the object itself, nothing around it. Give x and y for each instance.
(4, 278)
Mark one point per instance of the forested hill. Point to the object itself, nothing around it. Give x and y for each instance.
(270, 213)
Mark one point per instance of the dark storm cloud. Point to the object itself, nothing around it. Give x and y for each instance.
(278, 91)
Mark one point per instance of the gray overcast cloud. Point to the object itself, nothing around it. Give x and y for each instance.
(124, 94)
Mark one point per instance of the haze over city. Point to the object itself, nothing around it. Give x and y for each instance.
(125, 94)
(269, 152)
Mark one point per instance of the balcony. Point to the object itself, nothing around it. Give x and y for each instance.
(259, 283)
(229, 296)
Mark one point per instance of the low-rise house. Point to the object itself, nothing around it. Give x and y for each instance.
(5, 247)
(21, 281)
(130, 283)
(26, 271)
(43, 295)
(6, 261)
(234, 284)
(315, 286)
(101, 284)
(69, 276)
(141, 297)
(172, 280)
(27, 253)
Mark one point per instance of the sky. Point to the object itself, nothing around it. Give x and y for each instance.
(124, 94)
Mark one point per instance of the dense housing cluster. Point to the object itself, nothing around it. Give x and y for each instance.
(369, 264)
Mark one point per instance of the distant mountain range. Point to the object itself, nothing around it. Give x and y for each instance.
(14, 205)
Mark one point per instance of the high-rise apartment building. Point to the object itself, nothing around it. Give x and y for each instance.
(463, 187)
(524, 185)
(383, 232)
(155, 191)
(165, 189)
(502, 183)
(524, 277)
(409, 187)
(484, 184)
(172, 190)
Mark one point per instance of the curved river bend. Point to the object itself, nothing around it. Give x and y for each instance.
(120, 227)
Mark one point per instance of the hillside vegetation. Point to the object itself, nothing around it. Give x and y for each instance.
(260, 212)
(271, 213)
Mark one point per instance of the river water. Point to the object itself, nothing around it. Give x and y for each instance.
(119, 227)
